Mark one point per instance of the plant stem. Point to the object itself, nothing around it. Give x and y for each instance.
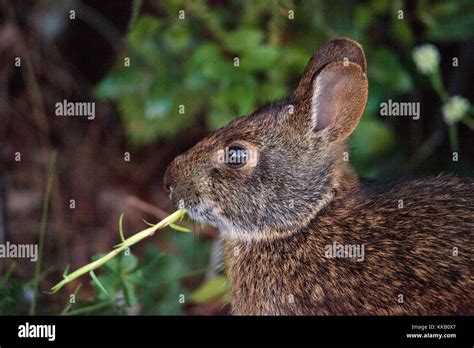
(69, 304)
(92, 308)
(44, 219)
(453, 137)
(177, 215)
(438, 86)
(9, 272)
(136, 4)
(468, 122)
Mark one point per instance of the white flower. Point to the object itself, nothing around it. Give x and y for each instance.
(426, 58)
(455, 109)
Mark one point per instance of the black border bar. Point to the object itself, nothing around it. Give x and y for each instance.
(135, 330)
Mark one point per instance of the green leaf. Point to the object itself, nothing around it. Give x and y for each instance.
(387, 75)
(130, 294)
(122, 235)
(379, 6)
(121, 83)
(458, 28)
(371, 139)
(177, 38)
(260, 58)
(97, 282)
(128, 263)
(293, 60)
(11, 293)
(363, 17)
(448, 20)
(194, 252)
(402, 31)
(219, 115)
(138, 129)
(143, 38)
(243, 40)
(271, 91)
(241, 94)
(208, 63)
(180, 228)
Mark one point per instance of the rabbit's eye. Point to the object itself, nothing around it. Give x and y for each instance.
(236, 156)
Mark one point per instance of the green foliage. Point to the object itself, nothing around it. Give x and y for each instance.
(214, 288)
(365, 153)
(120, 278)
(160, 293)
(165, 273)
(150, 284)
(10, 296)
(190, 61)
(448, 20)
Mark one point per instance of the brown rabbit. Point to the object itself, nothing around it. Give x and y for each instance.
(302, 234)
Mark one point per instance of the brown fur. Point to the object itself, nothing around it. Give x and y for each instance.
(408, 251)
(277, 217)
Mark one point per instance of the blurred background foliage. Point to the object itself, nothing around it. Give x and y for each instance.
(190, 62)
(162, 83)
(149, 285)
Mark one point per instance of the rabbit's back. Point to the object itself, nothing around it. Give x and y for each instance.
(400, 247)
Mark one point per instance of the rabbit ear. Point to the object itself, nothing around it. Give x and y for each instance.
(333, 89)
(341, 49)
(338, 100)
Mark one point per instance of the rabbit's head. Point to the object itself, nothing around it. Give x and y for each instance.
(267, 174)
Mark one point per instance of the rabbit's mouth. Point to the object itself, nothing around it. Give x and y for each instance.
(200, 212)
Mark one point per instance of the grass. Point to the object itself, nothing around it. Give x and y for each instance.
(125, 244)
(42, 232)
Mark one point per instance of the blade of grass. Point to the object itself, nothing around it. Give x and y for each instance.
(122, 237)
(469, 122)
(99, 284)
(90, 309)
(180, 228)
(44, 219)
(453, 137)
(148, 223)
(173, 226)
(9, 271)
(118, 248)
(66, 270)
(69, 304)
(136, 4)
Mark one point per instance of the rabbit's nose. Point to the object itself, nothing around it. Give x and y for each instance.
(168, 181)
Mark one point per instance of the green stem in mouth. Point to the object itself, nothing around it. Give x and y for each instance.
(126, 243)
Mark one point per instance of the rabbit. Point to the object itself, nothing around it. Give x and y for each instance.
(302, 234)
